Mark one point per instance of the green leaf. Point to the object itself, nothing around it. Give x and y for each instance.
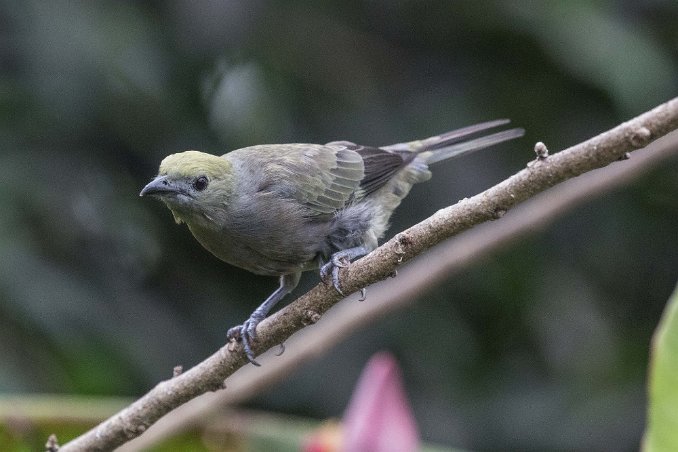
(662, 428)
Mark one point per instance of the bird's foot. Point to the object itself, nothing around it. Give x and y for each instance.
(245, 333)
(337, 262)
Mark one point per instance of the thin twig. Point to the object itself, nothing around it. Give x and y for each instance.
(378, 265)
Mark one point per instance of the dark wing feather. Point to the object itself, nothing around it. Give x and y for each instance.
(380, 165)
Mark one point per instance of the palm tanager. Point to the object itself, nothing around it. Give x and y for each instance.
(282, 209)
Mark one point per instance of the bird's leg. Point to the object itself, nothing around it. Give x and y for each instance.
(339, 260)
(247, 332)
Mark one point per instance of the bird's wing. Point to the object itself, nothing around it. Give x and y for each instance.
(322, 178)
(380, 165)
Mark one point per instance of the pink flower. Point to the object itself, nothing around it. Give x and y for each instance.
(379, 417)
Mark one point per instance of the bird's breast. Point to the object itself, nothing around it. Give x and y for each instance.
(264, 247)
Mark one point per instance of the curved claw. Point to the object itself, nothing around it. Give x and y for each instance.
(335, 264)
(363, 294)
(282, 349)
(326, 270)
(339, 260)
(335, 280)
(245, 333)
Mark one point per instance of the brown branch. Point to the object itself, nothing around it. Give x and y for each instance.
(491, 204)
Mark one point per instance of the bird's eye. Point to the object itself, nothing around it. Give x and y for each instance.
(200, 183)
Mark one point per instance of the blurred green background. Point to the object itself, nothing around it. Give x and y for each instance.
(542, 347)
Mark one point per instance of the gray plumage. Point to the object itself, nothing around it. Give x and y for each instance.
(282, 209)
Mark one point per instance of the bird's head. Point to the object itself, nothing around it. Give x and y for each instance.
(194, 185)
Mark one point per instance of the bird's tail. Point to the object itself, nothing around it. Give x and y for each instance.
(458, 142)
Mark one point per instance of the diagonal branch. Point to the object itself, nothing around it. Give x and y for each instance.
(412, 284)
(489, 205)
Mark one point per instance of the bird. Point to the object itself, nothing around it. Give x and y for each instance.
(284, 209)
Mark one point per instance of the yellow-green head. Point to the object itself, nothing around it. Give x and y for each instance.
(193, 184)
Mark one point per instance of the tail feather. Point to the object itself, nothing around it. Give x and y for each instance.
(458, 135)
(457, 142)
(465, 147)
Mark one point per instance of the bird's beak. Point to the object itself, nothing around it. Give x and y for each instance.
(158, 187)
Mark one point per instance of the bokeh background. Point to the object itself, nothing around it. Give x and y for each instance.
(542, 347)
